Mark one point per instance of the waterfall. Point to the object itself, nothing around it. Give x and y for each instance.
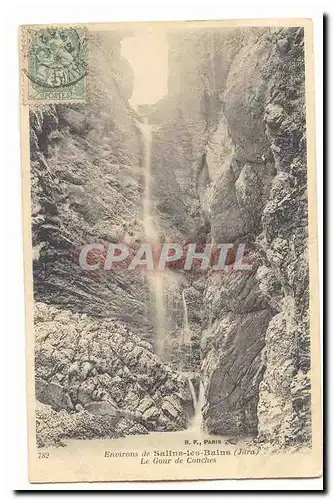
(156, 279)
(186, 335)
(198, 402)
(193, 394)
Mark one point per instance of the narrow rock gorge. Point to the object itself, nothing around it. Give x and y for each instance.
(227, 164)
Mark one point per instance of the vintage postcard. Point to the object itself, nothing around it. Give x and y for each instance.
(170, 250)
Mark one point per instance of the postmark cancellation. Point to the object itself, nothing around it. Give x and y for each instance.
(54, 64)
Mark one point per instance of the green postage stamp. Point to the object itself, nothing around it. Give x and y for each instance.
(54, 64)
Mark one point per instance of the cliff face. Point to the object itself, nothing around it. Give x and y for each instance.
(237, 102)
(284, 406)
